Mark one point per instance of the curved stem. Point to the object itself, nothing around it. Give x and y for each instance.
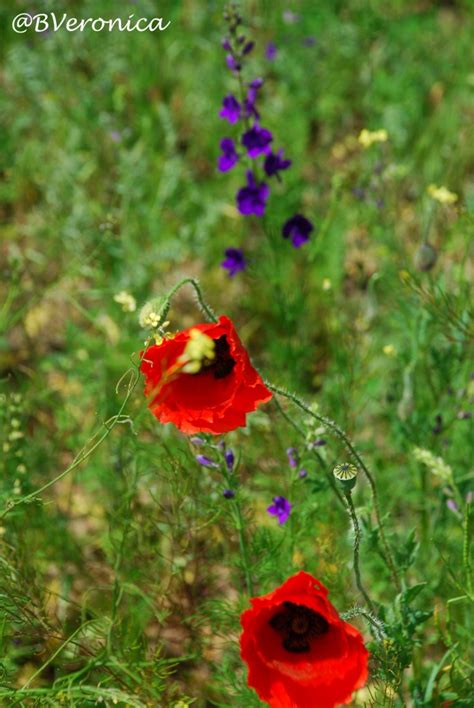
(353, 452)
(329, 476)
(202, 303)
(357, 537)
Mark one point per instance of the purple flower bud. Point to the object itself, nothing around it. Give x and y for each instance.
(228, 493)
(452, 506)
(226, 44)
(248, 48)
(205, 461)
(302, 474)
(271, 51)
(293, 456)
(319, 442)
(196, 441)
(229, 459)
(232, 64)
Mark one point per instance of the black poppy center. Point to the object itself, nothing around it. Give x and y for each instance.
(298, 625)
(222, 364)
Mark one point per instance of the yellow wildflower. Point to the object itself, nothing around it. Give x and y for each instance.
(369, 137)
(442, 194)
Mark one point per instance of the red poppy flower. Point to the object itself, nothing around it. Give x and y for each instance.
(216, 397)
(299, 652)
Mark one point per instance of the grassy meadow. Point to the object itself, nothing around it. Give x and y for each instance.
(124, 568)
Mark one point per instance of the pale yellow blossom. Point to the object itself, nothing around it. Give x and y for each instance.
(369, 137)
(442, 194)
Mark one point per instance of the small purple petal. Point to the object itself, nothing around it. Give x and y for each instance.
(319, 442)
(280, 508)
(205, 461)
(228, 493)
(232, 64)
(226, 44)
(274, 163)
(271, 51)
(302, 474)
(452, 506)
(292, 453)
(196, 441)
(252, 198)
(257, 141)
(231, 109)
(234, 261)
(298, 228)
(229, 155)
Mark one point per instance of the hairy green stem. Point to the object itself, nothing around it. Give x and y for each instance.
(357, 536)
(350, 447)
(197, 288)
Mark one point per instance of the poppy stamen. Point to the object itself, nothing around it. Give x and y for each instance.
(298, 625)
(222, 364)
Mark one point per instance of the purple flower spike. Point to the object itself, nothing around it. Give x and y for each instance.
(234, 261)
(274, 163)
(228, 493)
(229, 459)
(229, 155)
(230, 109)
(298, 228)
(271, 51)
(205, 461)
(252, 198)
(293, 456)
(281, 508)
(257, 141)
(232, 64)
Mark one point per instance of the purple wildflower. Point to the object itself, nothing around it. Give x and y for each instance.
(229, 155)
(232, 64)
(298, 228)
(274, 163)
(229, 459)
(252, 198)
(293, 456)
(271, 51)
(257, 141)
(281, 508)
(205, 461)
(226, 44)
(302, 474)
(234, 261)
(230, 109)
(228, 493)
